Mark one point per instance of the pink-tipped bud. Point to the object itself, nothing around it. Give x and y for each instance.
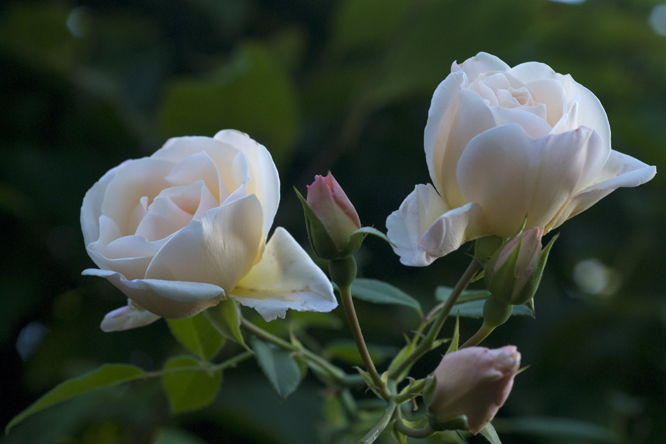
(471, 385)
(332, 206)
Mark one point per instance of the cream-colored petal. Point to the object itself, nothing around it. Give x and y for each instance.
(168, 299)
(406, 225)
(264, 179)
(452, 229)
(219, 249)
(91, 209)
(126, 318)
(197, 167)
(285, 278)
(620, 171)
(513, 176)
(533, 125)
(163, 219)
(440, 118)
(133, 180)
(472, 117)
(483, 63)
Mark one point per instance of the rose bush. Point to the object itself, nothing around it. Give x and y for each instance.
(185, 228)
(504, 143)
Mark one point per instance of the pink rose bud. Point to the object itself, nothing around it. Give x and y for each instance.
(471, 385)
(332, 206)
(514, 273)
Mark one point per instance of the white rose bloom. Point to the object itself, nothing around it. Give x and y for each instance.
(185, 228)
(504, 143)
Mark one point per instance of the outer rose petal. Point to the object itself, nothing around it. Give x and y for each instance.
(127, 317)
(91, 209)
(454, 228)
(406, 226)
(263, 168)
(483, 63)
(512, 175)
(285, 278)
(619, 171)
(169, 299)
(220, 249)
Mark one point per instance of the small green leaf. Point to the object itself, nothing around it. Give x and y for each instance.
(106, 376)
(442, 294)
(474, 309)
(192, 388)
(197, 335)
(456, 337)
(225, 317)
(375, 232)
(378, 292)
(490, 434)
(279, 367)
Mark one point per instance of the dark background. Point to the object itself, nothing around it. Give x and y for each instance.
(325, 85)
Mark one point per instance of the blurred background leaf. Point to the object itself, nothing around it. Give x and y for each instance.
(324, 85)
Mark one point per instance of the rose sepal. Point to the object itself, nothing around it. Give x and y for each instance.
(321, 241)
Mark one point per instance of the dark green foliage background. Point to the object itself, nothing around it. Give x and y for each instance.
(325, 85)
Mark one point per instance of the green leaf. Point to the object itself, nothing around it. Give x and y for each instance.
(197, 335)
(279, 367)
(490, 434)
(474, 309)
(170, 435)
(456, 337)
(401, 357)
(225, 317)
(253, 93)
(106, 376)
(378, 292)
(192, 388)
(346, 350)
(442, 294)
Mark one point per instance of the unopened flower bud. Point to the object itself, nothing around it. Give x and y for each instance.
(514, 272)
(331, 219)
(470, 386)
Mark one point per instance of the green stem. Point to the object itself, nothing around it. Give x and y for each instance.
(374, 433)
(412, 392)
(414, 433)
(336, 373)
(425, 346)
(350, 312)
(482, 333)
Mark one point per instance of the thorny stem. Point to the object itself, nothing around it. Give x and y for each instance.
(425, 346)
(231, 362)
(374, 433)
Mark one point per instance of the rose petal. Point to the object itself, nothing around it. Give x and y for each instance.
(168, 299)
(472, 117)
(219, 249)
(163, 219)
(133, 180)
(533, 125)
(91, 209)
(127, 317)
(592, 113)
(512, 175)
(285, 278)
(452, 229)
(197, 167)
(405, 227)
(483, 63)
(620, 171)
(264, 178)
